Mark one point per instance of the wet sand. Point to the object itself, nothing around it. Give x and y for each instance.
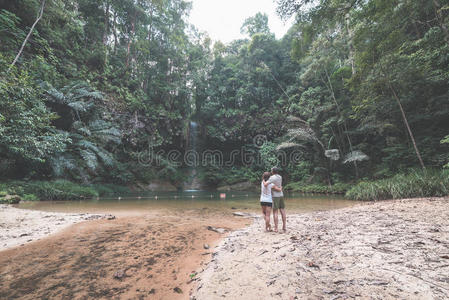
(384, 250)
(146, 256)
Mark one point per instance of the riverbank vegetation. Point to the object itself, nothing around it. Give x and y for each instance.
(337, 188)
(356, 91)
(412, 185)
(15, 191)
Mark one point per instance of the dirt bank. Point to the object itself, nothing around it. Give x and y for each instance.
(384, 250)
(140, 257)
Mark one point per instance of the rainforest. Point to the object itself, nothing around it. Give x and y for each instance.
(353, 98)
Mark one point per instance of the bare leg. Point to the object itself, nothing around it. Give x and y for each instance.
(264, 213)
(284, 219)
(276, 220)
(267, 218)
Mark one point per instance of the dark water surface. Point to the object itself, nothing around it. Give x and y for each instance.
(188, 200)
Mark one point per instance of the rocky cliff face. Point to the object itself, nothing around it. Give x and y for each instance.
(241, 186)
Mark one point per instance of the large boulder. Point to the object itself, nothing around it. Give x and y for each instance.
(161, 186)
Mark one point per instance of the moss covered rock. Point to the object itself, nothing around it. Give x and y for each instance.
(10, 199)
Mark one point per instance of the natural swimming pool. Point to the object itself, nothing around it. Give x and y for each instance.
(189, 200)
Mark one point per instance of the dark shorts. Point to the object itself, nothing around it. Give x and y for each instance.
(278, 202)
(269, 204)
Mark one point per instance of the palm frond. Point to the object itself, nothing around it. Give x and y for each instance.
(301, 134)
(286, 145)
(333, 154)
(294, 119)
(355, 155)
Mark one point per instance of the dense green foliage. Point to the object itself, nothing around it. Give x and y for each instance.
(414, 184)
(58, 190)
(358, 88)
(337, 188)
(97, 82)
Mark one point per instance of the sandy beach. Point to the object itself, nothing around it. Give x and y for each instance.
(383, 250)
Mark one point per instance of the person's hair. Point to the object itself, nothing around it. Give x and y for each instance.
(275, 170)
(266, 176)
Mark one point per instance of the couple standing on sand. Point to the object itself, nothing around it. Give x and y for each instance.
(271, 196)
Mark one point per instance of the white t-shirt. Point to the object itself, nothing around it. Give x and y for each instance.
(265, 193)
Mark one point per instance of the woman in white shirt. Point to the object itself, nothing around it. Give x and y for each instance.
(266, 200)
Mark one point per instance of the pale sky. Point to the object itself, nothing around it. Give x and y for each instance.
(222, 19)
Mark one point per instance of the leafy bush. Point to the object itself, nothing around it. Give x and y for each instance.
(269, 155)
(60, 190)
(338, 188)
(30, 197)
(10, 188)
(235, 175)
(430, 183)
(26, 132)
(300, 171)
(211, 174)
(110, 189)
(10, 199)
(446, 141)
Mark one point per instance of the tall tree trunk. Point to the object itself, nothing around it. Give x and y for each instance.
(131, 35)
(106, 24)
(350, 34)
(39, 16)
(150, 28)
(404, 118)
(115, 33)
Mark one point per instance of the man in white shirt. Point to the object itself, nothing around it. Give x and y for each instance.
(278, 199)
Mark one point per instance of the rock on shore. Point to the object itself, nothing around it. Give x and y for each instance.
(392, 249)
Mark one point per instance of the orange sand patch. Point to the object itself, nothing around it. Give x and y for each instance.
(139, 257)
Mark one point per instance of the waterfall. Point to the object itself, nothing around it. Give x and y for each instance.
(193, 136)
(193, 183)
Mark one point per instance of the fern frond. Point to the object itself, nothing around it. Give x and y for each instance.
(81, 128)
(56, 96)
(79, 105)
(84, 93)
(62, 163)
(90, 158)
(84, 144)
(105, 131)
(106, 157)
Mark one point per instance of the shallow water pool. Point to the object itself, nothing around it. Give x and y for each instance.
(189, 200)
